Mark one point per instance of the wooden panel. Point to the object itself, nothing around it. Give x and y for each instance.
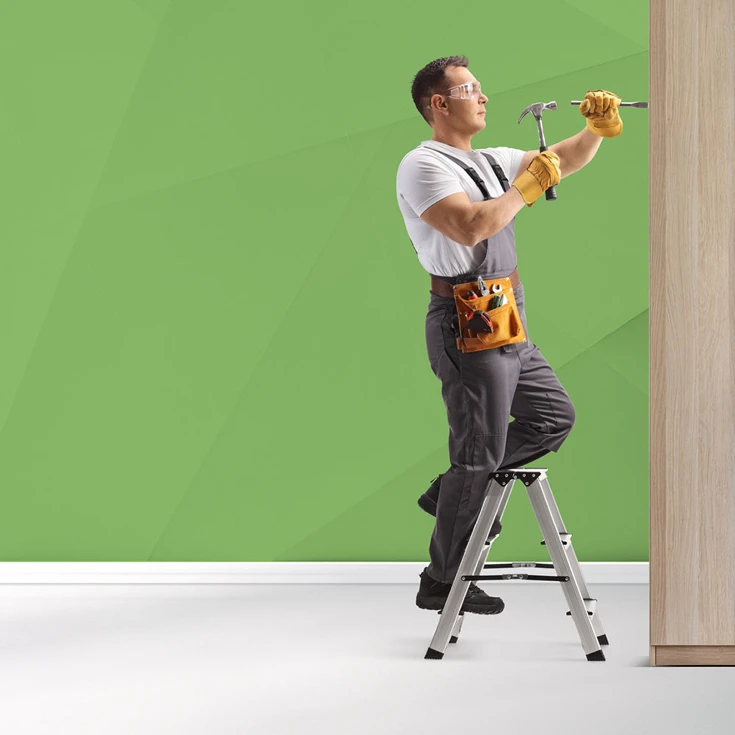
(694, 655)
(692, 325)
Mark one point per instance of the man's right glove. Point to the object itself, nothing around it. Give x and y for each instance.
(542, 173)
(600, 108)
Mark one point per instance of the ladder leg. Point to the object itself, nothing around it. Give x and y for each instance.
(558, 553)
(572, 557)
(504, 499)
(473, 558)
(483, 557)
(457, 628)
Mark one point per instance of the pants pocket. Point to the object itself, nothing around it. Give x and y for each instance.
(450, 364)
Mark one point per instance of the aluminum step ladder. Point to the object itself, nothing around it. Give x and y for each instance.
(558, 542)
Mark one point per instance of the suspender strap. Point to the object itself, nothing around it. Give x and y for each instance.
(480, 183)
(497, 170)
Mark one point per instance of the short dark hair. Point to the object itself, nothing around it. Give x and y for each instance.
(431, 80)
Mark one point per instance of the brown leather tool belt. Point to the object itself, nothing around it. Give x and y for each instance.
(445, 289)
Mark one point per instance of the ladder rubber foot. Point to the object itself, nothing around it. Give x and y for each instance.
(453, 639)
(431, 653)
(596, 656)
(602, 640)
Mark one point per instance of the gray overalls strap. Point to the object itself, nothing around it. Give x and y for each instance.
(500, 249)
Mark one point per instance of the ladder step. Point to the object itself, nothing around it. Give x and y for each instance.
(516, 564)
(590, 603)
(501, 577)
(566, 538)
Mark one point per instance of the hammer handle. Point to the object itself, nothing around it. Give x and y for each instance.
(551, 191)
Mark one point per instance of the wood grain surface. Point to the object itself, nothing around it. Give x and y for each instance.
(694, 655)
(692, 330)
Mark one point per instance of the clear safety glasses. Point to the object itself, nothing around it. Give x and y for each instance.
(466, 91)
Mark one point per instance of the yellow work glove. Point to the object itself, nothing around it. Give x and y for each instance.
(542, 173)
(601, 110)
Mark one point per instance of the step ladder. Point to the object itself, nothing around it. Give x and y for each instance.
(558, 542)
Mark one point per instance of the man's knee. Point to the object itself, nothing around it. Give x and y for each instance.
(566, 417)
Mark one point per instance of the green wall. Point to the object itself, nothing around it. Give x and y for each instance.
(212, 317)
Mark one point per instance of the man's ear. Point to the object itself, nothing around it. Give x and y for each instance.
(441, 107)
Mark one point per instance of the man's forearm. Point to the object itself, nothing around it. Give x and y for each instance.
(576, 152)
(492, 215)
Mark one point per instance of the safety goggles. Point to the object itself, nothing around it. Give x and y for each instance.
(466, 91)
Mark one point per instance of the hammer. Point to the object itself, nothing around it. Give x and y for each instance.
(537, 110)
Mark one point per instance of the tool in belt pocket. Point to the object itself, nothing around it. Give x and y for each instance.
(489, 320)
(480, 322)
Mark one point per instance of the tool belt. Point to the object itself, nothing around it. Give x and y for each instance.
(491, 319)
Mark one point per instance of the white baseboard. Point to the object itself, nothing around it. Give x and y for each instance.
(270, 572)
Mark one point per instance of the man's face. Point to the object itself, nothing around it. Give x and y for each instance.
(464, 114)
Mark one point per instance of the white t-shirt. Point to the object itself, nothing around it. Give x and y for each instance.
(424, 177)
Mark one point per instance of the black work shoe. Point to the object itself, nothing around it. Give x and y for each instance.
(427, 502)
(432, 595)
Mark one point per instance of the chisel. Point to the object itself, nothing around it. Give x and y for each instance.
(622, 104)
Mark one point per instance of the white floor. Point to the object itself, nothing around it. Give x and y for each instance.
(343, 659)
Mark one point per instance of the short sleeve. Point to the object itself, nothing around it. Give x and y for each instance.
(423, 181)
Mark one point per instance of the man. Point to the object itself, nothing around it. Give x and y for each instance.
(462, 228)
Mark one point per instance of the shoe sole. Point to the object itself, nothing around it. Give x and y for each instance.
(477, 609)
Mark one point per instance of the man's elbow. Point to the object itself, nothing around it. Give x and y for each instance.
(478, 230)
(470, 229)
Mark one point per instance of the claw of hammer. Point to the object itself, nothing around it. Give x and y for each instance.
(537, 110)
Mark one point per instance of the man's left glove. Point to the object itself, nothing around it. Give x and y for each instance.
(601, 110)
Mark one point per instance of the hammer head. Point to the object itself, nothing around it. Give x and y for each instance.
(537, 109)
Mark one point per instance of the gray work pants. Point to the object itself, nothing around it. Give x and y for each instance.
(481, 391)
